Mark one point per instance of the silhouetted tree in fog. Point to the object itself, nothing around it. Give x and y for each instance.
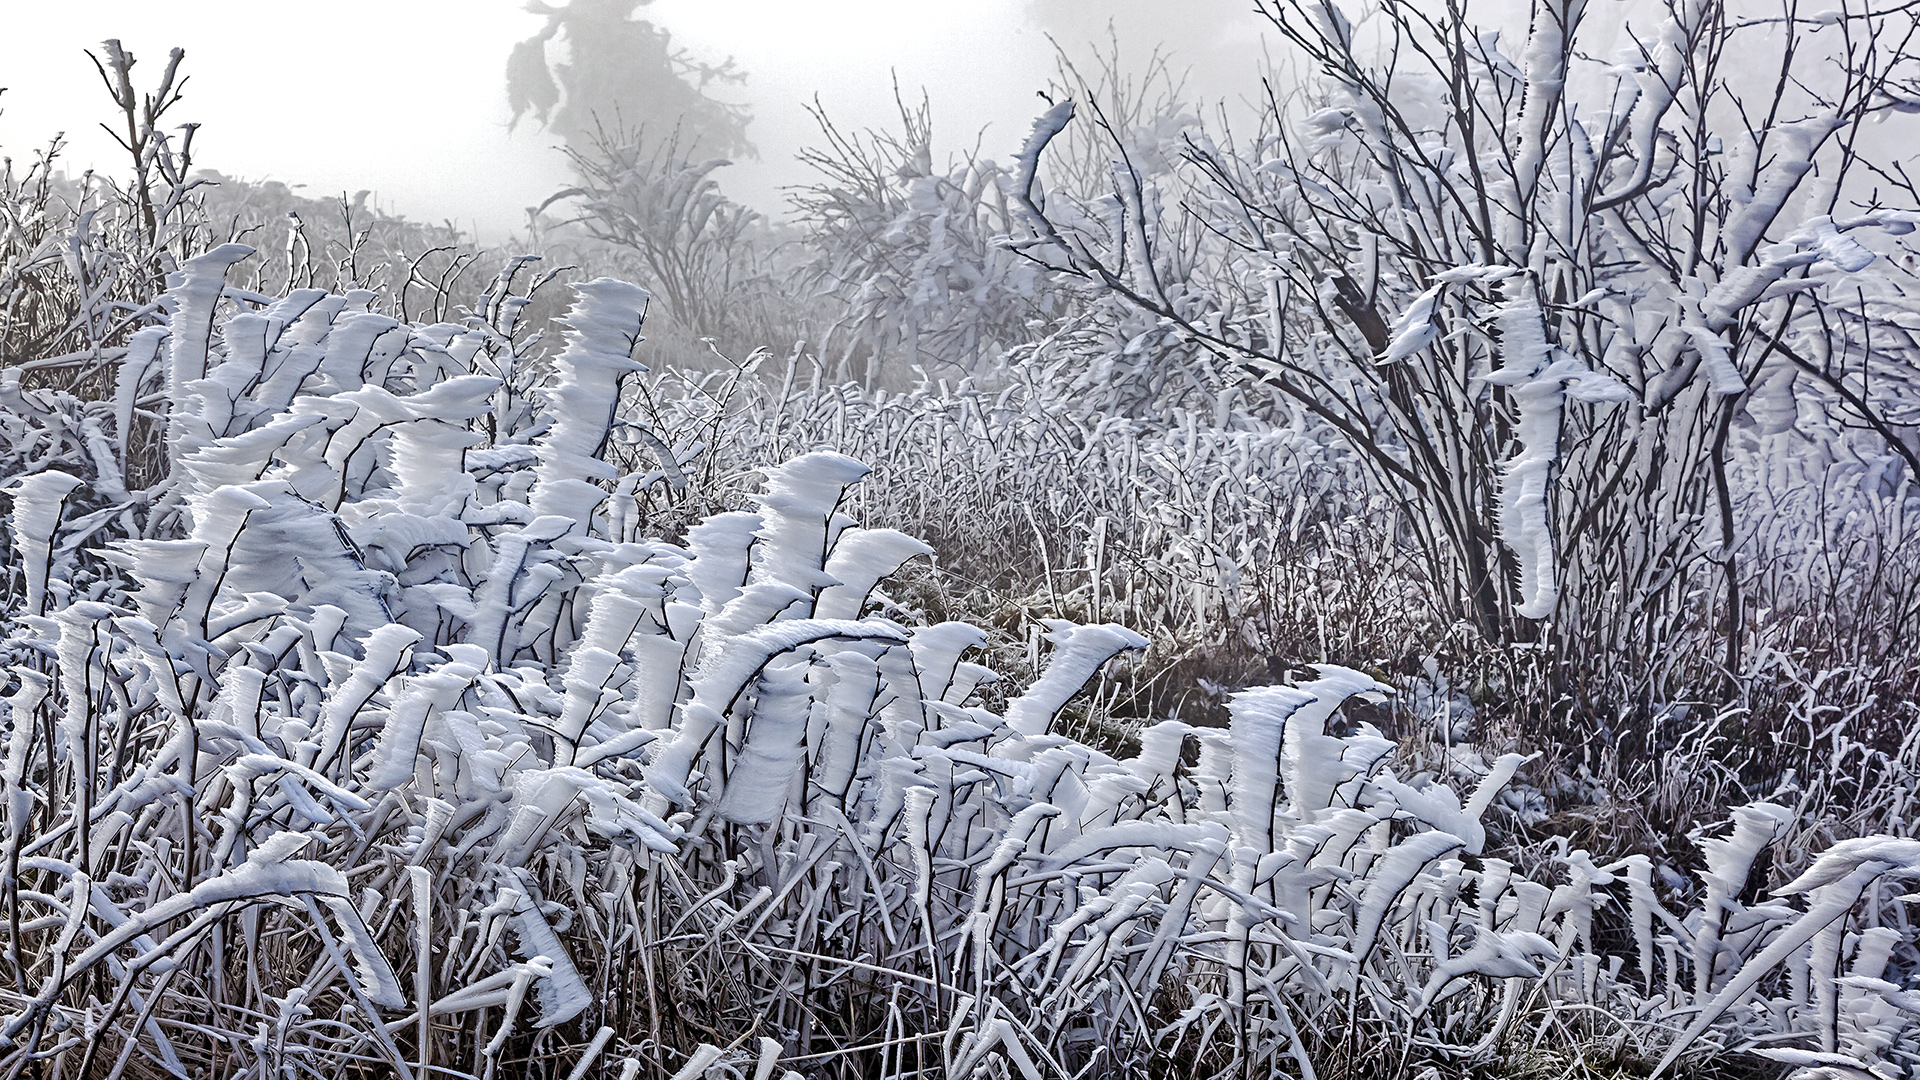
(621, 72)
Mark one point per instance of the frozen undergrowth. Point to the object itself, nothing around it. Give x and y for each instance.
(1202, 526)
(375, 737)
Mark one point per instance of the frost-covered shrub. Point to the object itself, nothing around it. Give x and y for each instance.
(647, 206)
(1600, 327)
(1109, 352)
(389, 738)
(904, 260)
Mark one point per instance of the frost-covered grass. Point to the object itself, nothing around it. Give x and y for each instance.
(382, 735)
(392, 691)
(1241, 546)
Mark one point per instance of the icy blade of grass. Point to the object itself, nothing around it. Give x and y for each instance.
(386, 651)
(1387, 880)
(1835, 884)
(1729, 861)
(193, 292)
(600, 1040)
(1259, 730)
(720, 545)
(1079, 652)
(722, 679)
(561, 993)
(399, 742)
(936, 654)
(603, 328)
(800, 526)
(699, 1062)
(38, 500)
(768, 762)
(1314, 762)
(861, 559)
(370, 967)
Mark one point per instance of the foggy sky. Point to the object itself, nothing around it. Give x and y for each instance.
(408, 99)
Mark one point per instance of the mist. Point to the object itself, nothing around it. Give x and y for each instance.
(409, 100)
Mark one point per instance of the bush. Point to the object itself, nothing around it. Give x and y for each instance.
(1598, 333)
(904, 259)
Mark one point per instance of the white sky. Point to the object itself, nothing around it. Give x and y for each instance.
(407, 97)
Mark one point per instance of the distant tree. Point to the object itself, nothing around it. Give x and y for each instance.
(648, 209)
(1212, 44)
(624, 72)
